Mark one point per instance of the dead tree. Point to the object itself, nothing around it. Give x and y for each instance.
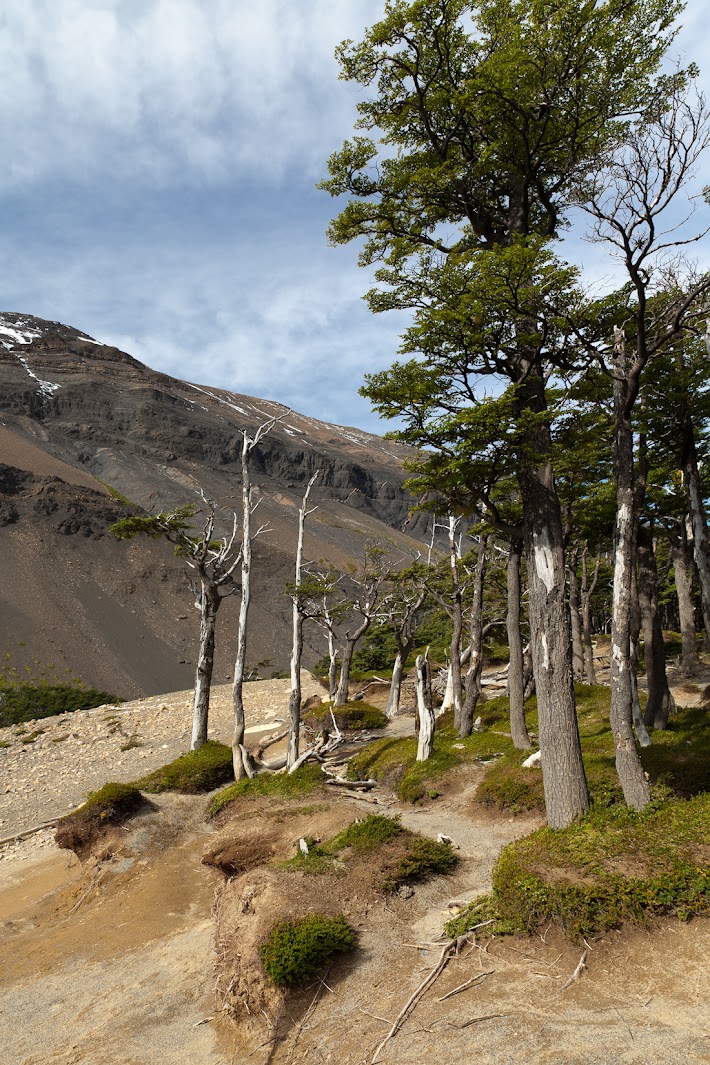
(425, 712)
(299, 613)
(242, 763)
(587, 592)
(214, 562)
(365, 603)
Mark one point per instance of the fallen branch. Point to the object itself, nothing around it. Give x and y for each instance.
(476, 1020)
(466, 985)
(450, 951)
(340, 782)
(581, 966)
(268, 742)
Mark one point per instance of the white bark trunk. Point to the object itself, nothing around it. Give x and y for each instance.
(297, 647)
(424, 711)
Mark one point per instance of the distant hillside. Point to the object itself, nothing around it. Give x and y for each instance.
(85, 428)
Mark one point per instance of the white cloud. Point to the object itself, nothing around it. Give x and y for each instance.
(140, 89)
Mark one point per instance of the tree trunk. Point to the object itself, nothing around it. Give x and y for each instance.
(575, 620)
(635, 647)
(333, 667)
(516, 686)
(587, 592)
(682, 570)
(660, 700)
(240, 768)
(565, 786)
(395, 687)
(294, 705)
(457, 622)
(209, 605)
(341, 696)
(473, 675)
(696, 509)
(424, 710)
(637, 792)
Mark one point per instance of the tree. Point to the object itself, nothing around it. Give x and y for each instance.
(489, 114)
(242, 764)
(214, 562)
(629, 201)
(299, 613)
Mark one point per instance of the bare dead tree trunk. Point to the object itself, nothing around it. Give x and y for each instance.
(240, 757)
(209, 605)
(637, 792)
(404, 636)
(333, 667)
(575, 620)
(425, 712)
(682, 570)
(660, 699)
(294, 706)
(587, 593)
(516, 687)
(473, 676)
(457, 623)
(395, 686)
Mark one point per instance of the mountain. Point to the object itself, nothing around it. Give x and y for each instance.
(87, 435)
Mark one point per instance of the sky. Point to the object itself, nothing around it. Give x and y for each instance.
(158, 189)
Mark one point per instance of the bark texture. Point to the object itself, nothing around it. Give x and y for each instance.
(473, 675)
(425, 712)
(516, 680)
(682, 572)
(660, 702)
(209, 605)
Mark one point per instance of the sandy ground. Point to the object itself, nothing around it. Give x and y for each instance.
(112, 963)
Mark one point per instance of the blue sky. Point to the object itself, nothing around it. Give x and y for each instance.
(158, 186)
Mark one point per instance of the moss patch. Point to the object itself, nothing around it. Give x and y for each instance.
(194, 772)
(393, 854)
(615, 865)
(111, 805)
(295, 950)
(305, 780)
(353, 715)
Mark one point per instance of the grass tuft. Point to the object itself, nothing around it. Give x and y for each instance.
(306, 779)
(353, 715)
(194, 772)
(111, 805)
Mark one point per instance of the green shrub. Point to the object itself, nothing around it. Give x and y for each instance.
(194, 772)
(295, 950)
(353, 715)
(28, 702)
(615, 865)
(366, 835)
(111, 805)
(306, 779)
(423, 858)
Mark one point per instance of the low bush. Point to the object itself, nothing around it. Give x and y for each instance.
(615, 865)
(402, 855)
(353, 715)
(194, 772)
(306, 779)
(113, 804)
(28, 702)
(295, 950)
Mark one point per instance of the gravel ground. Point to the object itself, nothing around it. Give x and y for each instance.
(48, 766)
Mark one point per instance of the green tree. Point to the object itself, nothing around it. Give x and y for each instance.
(488, 115)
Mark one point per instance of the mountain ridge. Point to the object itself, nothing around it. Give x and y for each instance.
(110, 428)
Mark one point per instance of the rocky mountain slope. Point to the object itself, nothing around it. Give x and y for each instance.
(85, 428)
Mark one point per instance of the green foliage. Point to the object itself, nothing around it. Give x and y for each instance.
(28, 702)
(366, 835)
(306, 779)
(113, 804)
(393, 761)
(402, 856)
(295, 950)
(615, 865)
(115, 494)
(202, 770)
(423, 858)
(352, 715)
